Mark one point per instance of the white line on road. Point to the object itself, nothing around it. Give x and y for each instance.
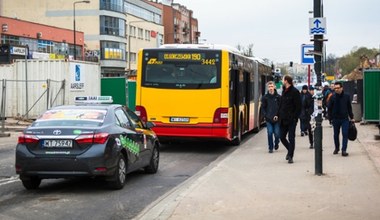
(11, 179)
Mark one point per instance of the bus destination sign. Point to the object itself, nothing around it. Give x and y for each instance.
(181, 56)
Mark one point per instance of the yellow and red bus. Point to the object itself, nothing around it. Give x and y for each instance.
(200, 91)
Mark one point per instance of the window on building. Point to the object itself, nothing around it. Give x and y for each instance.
(147, 35)
(7, 39)
(140, 33)
(143, 13)
(112, 26)
(132, 31)
(133, 57)
(112, 50)
(112, 5)
(45, 46)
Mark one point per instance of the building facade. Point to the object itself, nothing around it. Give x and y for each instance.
(180, 25)
(105, 24)
(43, 41)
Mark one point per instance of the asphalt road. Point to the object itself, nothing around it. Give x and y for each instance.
(91, 199)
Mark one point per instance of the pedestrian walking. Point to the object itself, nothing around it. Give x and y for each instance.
(308, 109)
(288, 113)
(306, 100)
(270, 104)
(340, 110)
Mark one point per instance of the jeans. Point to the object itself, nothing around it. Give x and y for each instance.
(337, 124)
(290, 130)
(273, 129)
(302, 125)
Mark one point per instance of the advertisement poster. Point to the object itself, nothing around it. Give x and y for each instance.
(76, 77)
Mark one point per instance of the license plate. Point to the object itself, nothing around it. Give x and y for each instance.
(57, 143)
(178, 119)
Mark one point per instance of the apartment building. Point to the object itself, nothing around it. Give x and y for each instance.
(113, 30)
(180, 25)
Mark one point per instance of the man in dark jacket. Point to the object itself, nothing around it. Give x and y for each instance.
(288, 113)
(307, 109)
(339, 109)
(269, 108)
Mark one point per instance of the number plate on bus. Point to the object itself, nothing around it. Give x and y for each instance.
(177, 119)
(57, 143)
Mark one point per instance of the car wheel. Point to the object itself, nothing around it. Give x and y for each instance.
(154, 161)
(119, 178)
(30, 183)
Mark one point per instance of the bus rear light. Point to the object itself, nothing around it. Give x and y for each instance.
(221, 115)
(141, 112)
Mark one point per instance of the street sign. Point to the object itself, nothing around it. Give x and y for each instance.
(18, 50)
(306, 56)
(317, 26)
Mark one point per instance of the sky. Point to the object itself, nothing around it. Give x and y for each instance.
(278, 28)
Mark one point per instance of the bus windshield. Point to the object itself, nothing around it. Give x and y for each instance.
(181, 70)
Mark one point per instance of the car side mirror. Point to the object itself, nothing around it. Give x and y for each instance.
(150, 124)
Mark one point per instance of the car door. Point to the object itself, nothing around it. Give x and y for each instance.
(148, 135)
(130, 139)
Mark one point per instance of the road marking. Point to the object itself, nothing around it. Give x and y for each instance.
(11, 179)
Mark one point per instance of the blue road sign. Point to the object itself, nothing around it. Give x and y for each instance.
(317, 26)
(306, 56)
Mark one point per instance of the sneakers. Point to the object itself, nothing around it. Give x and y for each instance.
(290, 160)
(270, 151)
(276, 147)
(344, 154)
(302, 134)
(336, 151)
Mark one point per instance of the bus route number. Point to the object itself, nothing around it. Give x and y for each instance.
(208, 61)
(153, 61)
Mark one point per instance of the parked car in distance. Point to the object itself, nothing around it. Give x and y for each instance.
(88, 139)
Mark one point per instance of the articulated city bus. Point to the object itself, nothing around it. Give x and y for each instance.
(200, 91)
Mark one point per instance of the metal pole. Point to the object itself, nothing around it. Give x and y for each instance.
(75, 38)
(308, 75)
(3, 106)
(318, 44)
(129, 48)
(26, 81)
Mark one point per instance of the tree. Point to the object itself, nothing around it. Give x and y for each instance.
(349, 62)
(330, 65)
(247, 51)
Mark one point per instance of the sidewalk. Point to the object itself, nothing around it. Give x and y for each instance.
(12, 127)
(250, 183)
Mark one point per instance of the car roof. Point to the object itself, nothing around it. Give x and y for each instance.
(91, 106)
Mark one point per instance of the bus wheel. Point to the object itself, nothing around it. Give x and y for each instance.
(237, 140)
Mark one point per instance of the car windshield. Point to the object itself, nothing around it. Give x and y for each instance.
(71, 117)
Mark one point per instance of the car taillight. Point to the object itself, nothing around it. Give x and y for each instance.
(141, 112)
(100, 138)
(27, 139)
(221, 115)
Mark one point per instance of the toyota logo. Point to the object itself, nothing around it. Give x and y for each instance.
(57, 132)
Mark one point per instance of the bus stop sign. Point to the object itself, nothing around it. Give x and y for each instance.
(306, 56)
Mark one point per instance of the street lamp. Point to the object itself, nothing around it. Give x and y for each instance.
(129, 44)
(75, 38)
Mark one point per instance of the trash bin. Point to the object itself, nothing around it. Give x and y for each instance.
(356, 109)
